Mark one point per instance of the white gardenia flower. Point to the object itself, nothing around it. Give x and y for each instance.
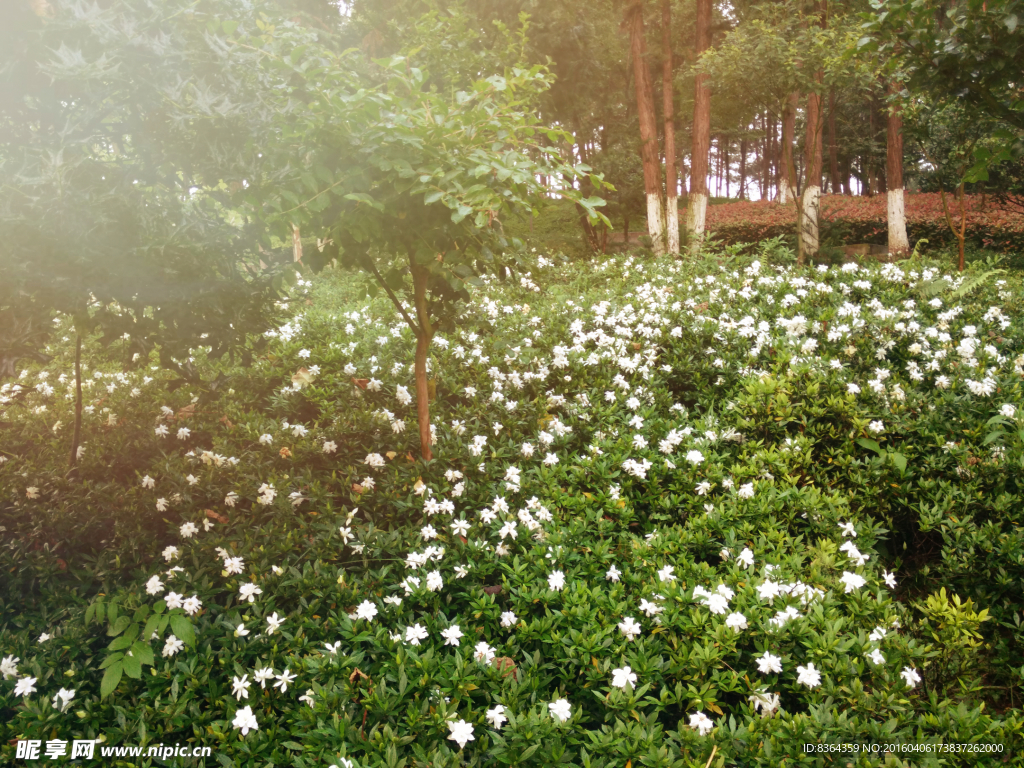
(148, 482)
(461, 732)
(556, 580)
(9, 666)
(496, 716)
(249, 592)
(910, 676)
(695, 457)
(284, 680)
(665, 574)
(240, 687)
(452, 635)
(736, 621)
(192, 605)
(745, 558)
(172, 646)
(241, 631)
(415, 633)
(629, 627)
(274, 623)
(702, 723)
(188, 530)
(622, 677)
(768, 664)
(245, 720)
(62, 699)
(877, 427)
(154, 586)
(25, 686)
(366, 610)
(808, 676)
(890, 579)
(483, 652)
(560, 709)
(508, 619)
(876, 657)
(852, 581)
(746, 491)
(170, 552)
(1008, 411)
(613, 574)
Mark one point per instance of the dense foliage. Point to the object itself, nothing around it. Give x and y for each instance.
(990, 223)
(678, 514)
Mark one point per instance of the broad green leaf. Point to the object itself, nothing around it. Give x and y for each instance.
(182, 628)
(110, 679)
(132, 667)
(871, 445)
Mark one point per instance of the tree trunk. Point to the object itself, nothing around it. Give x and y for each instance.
(743, 169)
(899, 245)
(423, 335)
(296, 243)
(77, 432)
(788, 183)
(698, 202)
(648, 127)
(810, 199)
(833, 150)
(671, 172)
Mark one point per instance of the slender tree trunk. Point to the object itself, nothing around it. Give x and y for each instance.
(671, 171)
(725, 165)
(648, 127)
(743, 169)
(760, 162)
(698, 202)
(845, 178)
(788, 185)
(810, 201)
(773, 153)
(423, 336)
(833, 150)
(296, 244)
(899, 245)
(77, 432)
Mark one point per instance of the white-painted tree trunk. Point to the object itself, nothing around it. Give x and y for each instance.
(787, 194)
(672, 222)
(899, 245)
(809, 225)
(656, 224)
(695, 216)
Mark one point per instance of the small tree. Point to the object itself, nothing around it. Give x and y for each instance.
(409, 184)
(120, 132)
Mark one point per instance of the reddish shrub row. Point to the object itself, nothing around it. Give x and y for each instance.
(863, 219)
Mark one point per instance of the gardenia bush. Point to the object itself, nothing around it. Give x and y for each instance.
(671, 520)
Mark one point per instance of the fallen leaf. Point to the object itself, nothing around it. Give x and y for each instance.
(285, 452)
(302, 378)
(226, 422)
(495, 590)
(361, 383)
(357, 487)
(504, 664)
(391, 454)
(216, 516)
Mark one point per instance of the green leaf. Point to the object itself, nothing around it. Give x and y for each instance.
(182, 628)
(292, 745)
(120, 643)
(142, 651)
(900, 461)
(132, 667)
(110, 679)
(111, 659)
(119, 626)
(871, 445)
